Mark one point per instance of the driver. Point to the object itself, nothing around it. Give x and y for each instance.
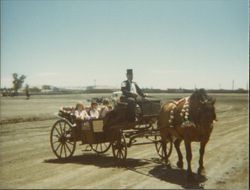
(130, 91)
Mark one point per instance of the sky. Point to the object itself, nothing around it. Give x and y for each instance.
(167, 43)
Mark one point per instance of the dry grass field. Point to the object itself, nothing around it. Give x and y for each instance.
(26, 159)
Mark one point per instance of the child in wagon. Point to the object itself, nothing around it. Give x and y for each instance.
(80, 112)
(94, 112)
(81, 117)
(105, 109)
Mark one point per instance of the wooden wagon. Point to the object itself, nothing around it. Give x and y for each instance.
(66, 132)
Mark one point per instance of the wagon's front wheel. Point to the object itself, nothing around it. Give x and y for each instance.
(62, 139)
(159, 147)
(100, 148)
(119, 147)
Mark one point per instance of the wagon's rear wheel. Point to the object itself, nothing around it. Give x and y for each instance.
(159, 147)
(100, 148)
(62, 139)
(119, 147)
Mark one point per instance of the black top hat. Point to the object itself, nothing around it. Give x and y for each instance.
(129, 71)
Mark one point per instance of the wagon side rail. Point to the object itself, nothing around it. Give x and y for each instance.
(66, 116)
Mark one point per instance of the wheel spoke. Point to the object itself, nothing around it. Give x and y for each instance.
(64, 128)
(96, 146)
(56, 142)
(68, 130)
(65, 150)
(160, 146)
(101, 146)
(122, 155)
(105, 145)
(70, 143)
(117, 154)
(58, 131)
(56, 136)
(61, 150)
(67, 147)
(162, 152)
(57, 147)
(60, 128)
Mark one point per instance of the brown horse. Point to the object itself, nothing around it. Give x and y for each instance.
(189, 119)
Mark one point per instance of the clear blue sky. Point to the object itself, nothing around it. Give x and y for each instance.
(168, 43)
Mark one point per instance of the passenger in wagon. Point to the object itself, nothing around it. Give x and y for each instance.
(93, 112)
(81, 117)
(130, 91)
(105, 109)
(80, 112)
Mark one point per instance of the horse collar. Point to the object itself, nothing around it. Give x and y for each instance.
(184, 113)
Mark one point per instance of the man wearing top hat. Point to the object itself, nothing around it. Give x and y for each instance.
(130, 91)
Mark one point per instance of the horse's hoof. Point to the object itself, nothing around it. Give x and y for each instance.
(168, 165)
(180, 164)
(201, 171)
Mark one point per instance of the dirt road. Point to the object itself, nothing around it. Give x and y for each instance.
(26, 159)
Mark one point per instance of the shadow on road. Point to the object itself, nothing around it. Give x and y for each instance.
(100, 161)
(177, 176)
(140, 166)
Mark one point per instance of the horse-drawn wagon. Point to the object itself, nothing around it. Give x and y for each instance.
(101, 135)
(189, 119)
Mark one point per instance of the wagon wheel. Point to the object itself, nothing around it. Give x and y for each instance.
(119, 147)
(100, 147)
(62, 139)
(159, 148)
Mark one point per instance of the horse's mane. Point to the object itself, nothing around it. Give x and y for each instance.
(198, 95)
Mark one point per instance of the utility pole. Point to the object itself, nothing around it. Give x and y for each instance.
(233, 85)
(95, 82)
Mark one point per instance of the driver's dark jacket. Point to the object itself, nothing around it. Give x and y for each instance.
(126, 89)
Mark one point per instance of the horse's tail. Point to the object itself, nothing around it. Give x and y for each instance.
(160, 115)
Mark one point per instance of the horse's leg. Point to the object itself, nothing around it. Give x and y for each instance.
(164, 134)
(189, 158)
(201, 169)
(177, 143)
(164, 148)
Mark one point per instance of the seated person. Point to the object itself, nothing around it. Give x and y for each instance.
(130, 92)
(105, 109)
(81, 115)
(93, 112)
(80, 112)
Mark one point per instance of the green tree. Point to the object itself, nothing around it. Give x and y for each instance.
(46, 87)
(35, 89)
(17, 82)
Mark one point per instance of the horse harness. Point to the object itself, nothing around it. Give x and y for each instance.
(184, 113)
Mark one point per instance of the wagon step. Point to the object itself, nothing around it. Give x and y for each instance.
(143, 143)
